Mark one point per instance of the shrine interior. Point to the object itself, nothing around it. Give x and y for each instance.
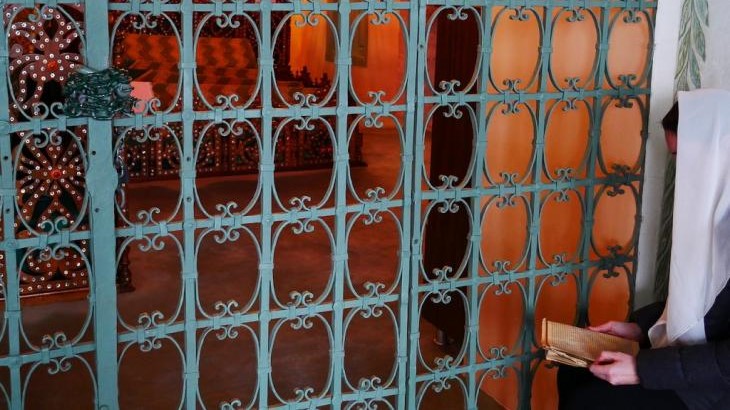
(368, 172)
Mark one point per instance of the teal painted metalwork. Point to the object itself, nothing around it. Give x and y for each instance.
(474, 366)
(101, 182)
(11, 322)
(266, 172)
(410, 205)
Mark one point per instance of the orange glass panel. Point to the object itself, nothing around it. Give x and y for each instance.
(495, 245)
(629, 45)
(567, 145)
(614, 220)
(567, 137)
(557, 301)
(621, 135)
(544, 387)
(574, 50)
(516, 49)
(509, 144)
(561, 222)
(609, 298)
(504, 389)
(501, 316)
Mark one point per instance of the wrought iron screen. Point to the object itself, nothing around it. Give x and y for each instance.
(530, 195)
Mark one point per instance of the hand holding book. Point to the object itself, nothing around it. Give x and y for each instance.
(616, 368)
(580, 347)
(602, 349)
(630, 331)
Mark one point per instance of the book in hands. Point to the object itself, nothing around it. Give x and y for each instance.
(575, 346)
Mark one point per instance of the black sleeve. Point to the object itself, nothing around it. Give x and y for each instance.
(646, 317)
(706, 365)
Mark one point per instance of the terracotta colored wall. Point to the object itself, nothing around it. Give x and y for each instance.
(510, 145)
(567, 142)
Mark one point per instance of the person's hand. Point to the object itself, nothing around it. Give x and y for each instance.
(616, 368)
(630, 331)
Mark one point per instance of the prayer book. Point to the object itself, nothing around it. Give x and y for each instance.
(580, 347)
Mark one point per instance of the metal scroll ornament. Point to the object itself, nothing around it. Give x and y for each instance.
(98, 94)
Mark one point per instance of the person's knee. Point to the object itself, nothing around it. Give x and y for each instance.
(572, 392)
(571, 377)
(579, 397)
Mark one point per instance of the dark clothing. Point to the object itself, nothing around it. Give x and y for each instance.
(580, 390)
(699, 375)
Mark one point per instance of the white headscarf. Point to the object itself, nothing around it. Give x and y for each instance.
(700, 259)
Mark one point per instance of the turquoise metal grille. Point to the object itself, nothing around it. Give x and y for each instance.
(105, 338)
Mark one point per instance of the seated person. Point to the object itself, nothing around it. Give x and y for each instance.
(684, 362)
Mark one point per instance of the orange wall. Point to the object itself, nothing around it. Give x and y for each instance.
(510, 145)
(504, 231)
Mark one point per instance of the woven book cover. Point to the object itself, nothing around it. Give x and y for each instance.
(580, 347)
